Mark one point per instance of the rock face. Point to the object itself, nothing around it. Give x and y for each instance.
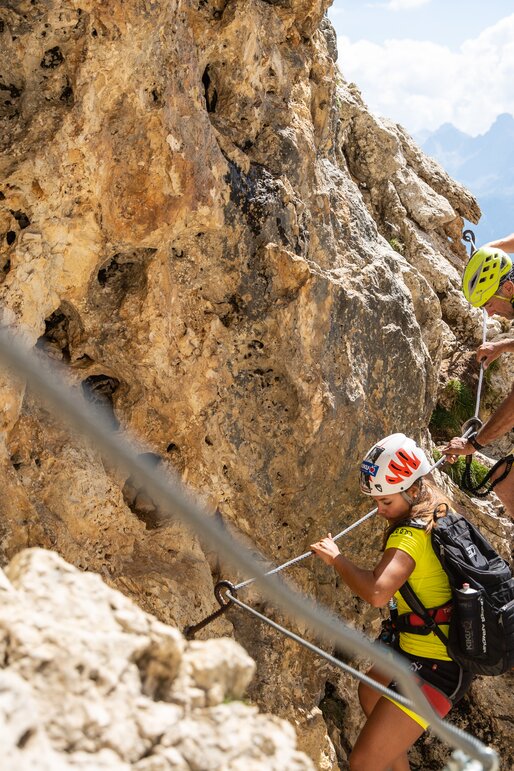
(203, 222)
(92, 682)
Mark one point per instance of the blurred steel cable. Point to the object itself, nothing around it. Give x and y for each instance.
(175, 500)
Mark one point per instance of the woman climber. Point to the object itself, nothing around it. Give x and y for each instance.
(394, 473)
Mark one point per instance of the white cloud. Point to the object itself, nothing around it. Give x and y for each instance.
(404, 5)
(423, 84)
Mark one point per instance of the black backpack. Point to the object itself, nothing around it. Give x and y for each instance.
(468, 558)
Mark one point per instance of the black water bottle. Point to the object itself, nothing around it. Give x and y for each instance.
(469, 613)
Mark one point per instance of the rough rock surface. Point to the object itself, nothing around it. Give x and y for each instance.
(203, 222)
(90, 681)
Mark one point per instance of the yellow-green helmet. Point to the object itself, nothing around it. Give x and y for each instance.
(483, 274)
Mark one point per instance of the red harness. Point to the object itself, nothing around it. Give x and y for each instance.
(411, 622)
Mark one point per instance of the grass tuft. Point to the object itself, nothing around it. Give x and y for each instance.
(456, 405)
(456, 470)
(397, 245)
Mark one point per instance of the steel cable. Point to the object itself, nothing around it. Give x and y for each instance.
(360, 521)
(174, 499)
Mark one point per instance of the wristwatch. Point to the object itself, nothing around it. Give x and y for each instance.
(472, 440)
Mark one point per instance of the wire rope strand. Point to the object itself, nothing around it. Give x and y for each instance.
(323, 654)
(306, 554)
(360, 521)
(174, 498)
(461, 760)
(481, 373)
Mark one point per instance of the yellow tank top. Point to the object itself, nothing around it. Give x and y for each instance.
(430, 583)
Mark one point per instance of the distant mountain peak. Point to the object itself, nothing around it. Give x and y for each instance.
(447, 138)
(484, 165)
(503, 123)
(449, 128)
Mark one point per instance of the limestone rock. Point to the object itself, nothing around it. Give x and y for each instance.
(256, 277)
(91, 681)
(213, 670)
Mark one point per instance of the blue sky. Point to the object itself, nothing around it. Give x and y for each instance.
(427, 62)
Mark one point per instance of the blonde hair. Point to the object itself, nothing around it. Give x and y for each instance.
(430, 504)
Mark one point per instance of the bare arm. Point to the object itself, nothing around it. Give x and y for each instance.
(498, 424)
(375, 586)
(507, 243)
(488, 352)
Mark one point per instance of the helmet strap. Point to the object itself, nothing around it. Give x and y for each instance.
(411, 499)
(505, 299)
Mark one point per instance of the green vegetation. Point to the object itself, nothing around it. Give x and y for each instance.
(397, 245)
(493, 366)
(459, 405)
(456, 470)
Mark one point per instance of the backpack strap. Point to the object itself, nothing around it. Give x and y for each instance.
(432, 617)
(413, 601)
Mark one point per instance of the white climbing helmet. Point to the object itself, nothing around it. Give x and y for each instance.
(392, 466)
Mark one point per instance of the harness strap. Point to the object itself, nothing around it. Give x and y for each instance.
(477, 489)
(413, 601)
(415, 624)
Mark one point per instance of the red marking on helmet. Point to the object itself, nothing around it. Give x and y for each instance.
(402, 468)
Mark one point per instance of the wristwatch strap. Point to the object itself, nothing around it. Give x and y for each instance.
(472, 440)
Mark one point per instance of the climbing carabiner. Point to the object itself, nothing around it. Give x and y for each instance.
(469, 237)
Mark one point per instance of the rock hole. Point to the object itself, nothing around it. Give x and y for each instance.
(21, 218)
(52, 58)
(55, 340)
(104, 274)
(66, 95)
(16, 462)
(126, 270)
(210, 92)
(14, 91)
(25, 737)
(335, 714)
(10, 237)
(99, 390)
(208, 441)
(138, 501)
